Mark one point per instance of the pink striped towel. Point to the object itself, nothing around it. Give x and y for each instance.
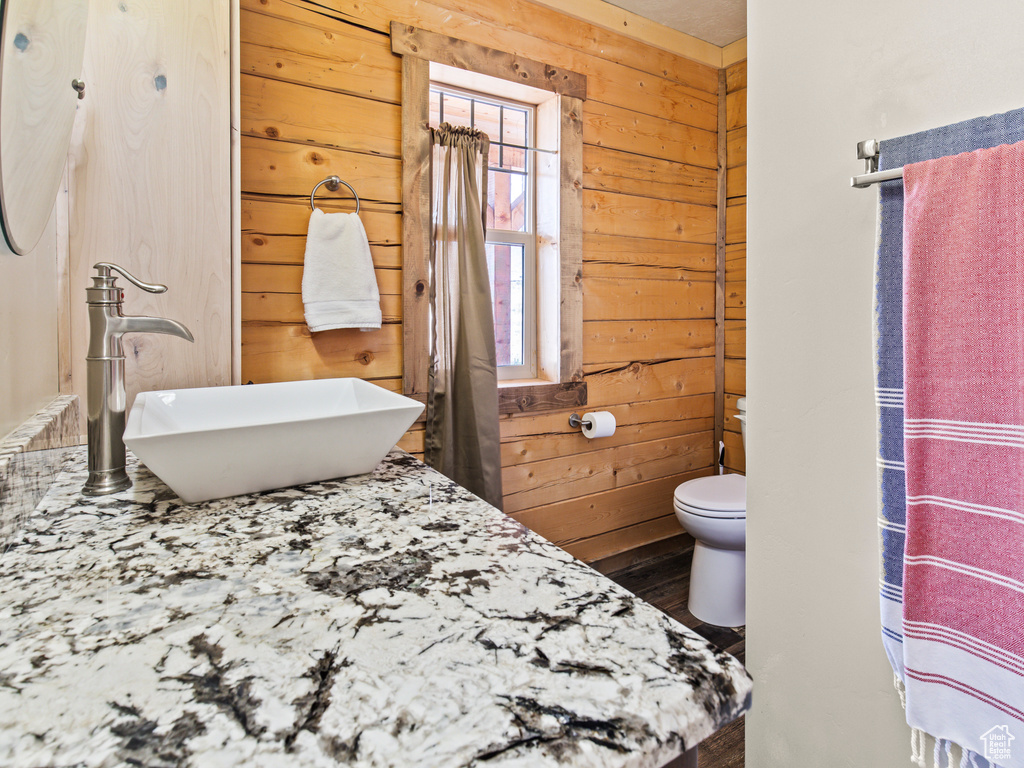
(963, 613)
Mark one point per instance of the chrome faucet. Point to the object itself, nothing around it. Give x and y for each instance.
(105, 364)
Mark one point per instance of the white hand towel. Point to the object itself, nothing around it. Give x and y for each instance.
(339, 287)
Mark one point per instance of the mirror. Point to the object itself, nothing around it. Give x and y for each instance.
(40, 57)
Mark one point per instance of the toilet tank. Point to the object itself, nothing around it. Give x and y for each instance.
(741, 404)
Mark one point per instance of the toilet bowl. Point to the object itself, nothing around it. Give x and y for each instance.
(714, 511)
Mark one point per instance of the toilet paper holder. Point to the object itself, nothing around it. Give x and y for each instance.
(576, 422)
(594, 424)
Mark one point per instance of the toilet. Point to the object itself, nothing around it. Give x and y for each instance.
(714, 511)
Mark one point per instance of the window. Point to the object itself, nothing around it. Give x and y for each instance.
(511, 219)
(555, 210)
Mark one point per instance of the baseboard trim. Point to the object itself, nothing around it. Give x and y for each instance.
(630, 557)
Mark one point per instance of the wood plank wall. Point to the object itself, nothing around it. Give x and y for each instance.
(735, 261)
(320, 94)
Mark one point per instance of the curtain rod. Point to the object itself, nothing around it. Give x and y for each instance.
(868, 152)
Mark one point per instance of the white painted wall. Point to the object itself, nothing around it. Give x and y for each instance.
(823, 76)
(28, 330)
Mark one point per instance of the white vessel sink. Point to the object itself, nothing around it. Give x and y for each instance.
(211, 442)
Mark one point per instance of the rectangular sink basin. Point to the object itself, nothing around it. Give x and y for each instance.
(212, 442)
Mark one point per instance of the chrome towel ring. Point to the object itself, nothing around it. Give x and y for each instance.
(332, 183)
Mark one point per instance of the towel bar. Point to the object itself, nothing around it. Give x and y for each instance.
(868, 152)
(332, 183)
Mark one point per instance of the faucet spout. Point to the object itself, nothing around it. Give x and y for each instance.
(134, 324)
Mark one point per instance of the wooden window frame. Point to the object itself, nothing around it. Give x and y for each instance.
(560, 238)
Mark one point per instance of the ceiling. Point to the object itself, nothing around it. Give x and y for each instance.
(718, 22)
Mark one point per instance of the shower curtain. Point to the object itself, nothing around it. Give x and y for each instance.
(462, 437)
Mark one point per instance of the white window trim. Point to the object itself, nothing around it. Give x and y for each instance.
(528, 370)
(489, 90)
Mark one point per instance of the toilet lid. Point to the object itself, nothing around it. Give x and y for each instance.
(718, 493)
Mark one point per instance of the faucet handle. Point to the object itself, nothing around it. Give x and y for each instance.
(103, 270)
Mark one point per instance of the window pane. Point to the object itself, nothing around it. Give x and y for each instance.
(514, 126)
(457, 110)
(505, 262)
(514, 132)
(486, 118)
(513, 159)
(506, 201)
(509, 188)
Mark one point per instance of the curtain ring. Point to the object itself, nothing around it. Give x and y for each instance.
(332, 183)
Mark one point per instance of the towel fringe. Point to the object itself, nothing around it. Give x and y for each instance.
(917, 748)
(943, 753)
(919, 739)
(901, 689)
(918, 743)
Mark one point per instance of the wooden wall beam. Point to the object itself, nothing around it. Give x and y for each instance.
(608, 342)
(281, 45)
(410, 41)
(612, 213)
(574, 520)
(570, 244)
(650, 381)
(552, 436)
(415, 222)
(688, 412)
(619, 127)
(736, 262)
(720, 265)
(557, 395)
(615, 170)
(641, 87)
(623, 540)
(536, 30)
(567, 477)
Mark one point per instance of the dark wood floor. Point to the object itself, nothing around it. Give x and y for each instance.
(664, 582)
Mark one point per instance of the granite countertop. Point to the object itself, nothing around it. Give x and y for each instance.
(390, 619)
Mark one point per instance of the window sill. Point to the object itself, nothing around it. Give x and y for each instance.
(533, 395)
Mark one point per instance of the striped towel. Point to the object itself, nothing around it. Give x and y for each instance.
(980, 133)
(963, 620)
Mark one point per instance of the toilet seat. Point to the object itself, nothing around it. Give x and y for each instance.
(717, 496)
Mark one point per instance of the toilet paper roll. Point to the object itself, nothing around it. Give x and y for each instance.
(602, 424)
